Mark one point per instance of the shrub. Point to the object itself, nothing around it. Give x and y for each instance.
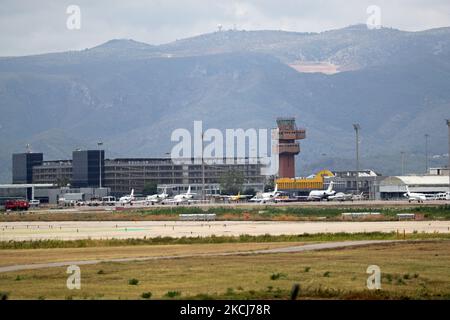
(326, 274)
(276, 276)
(307, 269)
(100, 272)
(133, 282)
(229, 292)
(388, 277)
(173, 294)
(4, 295)
(146, 295)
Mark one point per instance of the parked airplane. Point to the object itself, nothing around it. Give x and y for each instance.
(341, 196)
(266, 196)
(157, 198)
(236, 197)
(322, 194)
(413, 196)
(127, 199)
(183, 197)
(358, 196)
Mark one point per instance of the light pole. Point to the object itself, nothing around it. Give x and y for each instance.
(403, 162)
(448, 166)
(100, 162)
(426, 152)
(203, 172)
(357, 127)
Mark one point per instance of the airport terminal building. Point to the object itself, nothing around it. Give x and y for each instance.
(90, 169)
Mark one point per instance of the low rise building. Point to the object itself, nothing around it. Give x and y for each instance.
(395, 187)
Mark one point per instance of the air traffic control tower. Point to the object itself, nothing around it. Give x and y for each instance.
(288, 148)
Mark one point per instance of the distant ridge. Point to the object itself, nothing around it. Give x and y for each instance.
(132, 94)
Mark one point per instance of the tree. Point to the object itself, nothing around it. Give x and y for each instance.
(270, 184)
(150, 188)
(62, 181)
(231, 182)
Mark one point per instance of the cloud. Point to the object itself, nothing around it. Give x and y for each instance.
(29, 27)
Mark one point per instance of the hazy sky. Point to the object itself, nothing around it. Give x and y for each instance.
(28, 27)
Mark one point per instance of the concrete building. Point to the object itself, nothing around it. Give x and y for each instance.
(356, 182)
(22, 166)
(121, 175)
(88, 167)
(395, 187)
(288, 148)
(441, 171)
(58, 172)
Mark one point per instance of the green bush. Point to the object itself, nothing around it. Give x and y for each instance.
(173, 294)
(133, 282)
(276, 276)
(146, 295)
(327, 274)
(4, 295)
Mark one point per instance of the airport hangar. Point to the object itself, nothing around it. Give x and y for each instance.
(393, 188)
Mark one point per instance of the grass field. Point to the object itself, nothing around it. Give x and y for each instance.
(292, 213)
(416, 270)
(26, 256)
(267, 238)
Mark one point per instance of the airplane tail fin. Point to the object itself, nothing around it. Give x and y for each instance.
(407, 190)
(276, 188)
(189, 189)
(165, 190)
(132, 193)
(330, 187)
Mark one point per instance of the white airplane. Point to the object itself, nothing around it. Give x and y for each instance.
(156, 198)
(413, 196)
(358, 196)
(127, 199)
(322, 194)
(183, 197)
(266, 196)
(341, 196)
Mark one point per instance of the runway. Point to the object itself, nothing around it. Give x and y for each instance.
(72, 230)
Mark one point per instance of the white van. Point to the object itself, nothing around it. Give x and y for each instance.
(34, 203)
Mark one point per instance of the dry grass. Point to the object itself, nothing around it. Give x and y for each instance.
(29, 256)
(425, 264)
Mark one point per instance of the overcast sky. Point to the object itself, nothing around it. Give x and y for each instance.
(29, 27)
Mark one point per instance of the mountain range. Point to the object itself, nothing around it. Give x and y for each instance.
(132, 95)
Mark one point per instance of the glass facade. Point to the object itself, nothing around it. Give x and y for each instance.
(86, 168)
(23, 164)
